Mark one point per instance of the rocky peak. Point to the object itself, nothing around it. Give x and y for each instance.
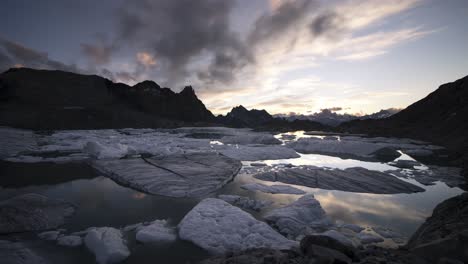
(188, 91)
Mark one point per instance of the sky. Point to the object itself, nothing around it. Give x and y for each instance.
(284, 56)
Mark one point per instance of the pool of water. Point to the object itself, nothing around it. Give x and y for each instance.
(102, 202)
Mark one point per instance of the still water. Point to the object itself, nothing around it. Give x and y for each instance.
(102, 202)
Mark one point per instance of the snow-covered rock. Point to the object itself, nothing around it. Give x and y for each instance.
(32, 212)
(350, 180)
(179, 175)
(244, 202)
(219, 227)
(294, 219)
(285, 189)
(156, 231)
(107, 244)
(70, 241)
(18, 253)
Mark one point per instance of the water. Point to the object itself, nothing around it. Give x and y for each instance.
(102, 202)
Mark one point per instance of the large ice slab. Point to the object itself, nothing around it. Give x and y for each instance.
(179, 175)
(107, 244)
(260, 152)
(285, 189)
(32, 212)
(351, 180)
(219, 227)
(299, 217)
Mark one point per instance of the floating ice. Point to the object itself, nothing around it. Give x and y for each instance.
(367, 238)
(107, 245)
(70, 241)
(285, 189)
(294, 219)
(244, 202)
(252, 138)
(350, 180)
(156, 231)
(180, 175)
(252, 153)
(219, 227)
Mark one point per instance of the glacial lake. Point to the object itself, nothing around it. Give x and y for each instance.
(102, 202)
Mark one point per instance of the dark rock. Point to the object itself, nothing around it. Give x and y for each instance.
(42, 99)
(325, 254)
(260, 256)
(386, 154)
(445, 233)
(329, 242)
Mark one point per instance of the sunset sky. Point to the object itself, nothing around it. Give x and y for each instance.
(279, 55)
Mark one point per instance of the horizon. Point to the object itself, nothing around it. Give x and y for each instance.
(279, 55)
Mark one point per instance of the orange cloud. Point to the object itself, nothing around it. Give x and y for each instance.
(146, 59)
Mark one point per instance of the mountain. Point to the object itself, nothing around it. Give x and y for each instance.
(441, 117)
(330, 118)
(42, 99)
(239, 116)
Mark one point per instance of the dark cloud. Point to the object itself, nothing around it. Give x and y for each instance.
(327, 24)
(332, 109)
(288, 16)
(99, 54)
(14, 53)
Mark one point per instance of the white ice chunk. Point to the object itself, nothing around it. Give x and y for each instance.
(294, 219)
(156, 231)
(219, 227)
(107, 245)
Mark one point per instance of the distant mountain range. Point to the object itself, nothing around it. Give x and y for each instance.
(331, 118)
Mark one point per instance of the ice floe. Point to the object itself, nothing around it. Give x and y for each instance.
(49, 235)
(156, 231)
(351, 180)
(70, 241)
(107, 244)
(285, 189)
(252, 138)
(449, 175)
(368, 238)
(244, 202)
(299, 217)
(219, 227)
(32, 212)
(253, 153)
(179, 175)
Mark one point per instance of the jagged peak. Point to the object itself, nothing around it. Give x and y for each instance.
(188, 90)
(147, 84)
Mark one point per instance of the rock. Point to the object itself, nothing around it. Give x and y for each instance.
(405, 164)
(449, 175)
(18, 253)
(245, 202)
(218, 227)
(70, 241)
(293, 219)
(49, 235)
(350, 180)
(331, 241)
(260, 256)
(445, 233)
(14, 141)
(107, 245)
(386, 154)
(388, 233)
(156, 231)
(367, 238)
(258, 164)
(32, 212)
(285, 189)
(326, 255)
(178, 175)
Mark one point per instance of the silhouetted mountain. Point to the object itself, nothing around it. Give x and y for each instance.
(330, 118)
(261, 119)
(441, 117)
(41, 99)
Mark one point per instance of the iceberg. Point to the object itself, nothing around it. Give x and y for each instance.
(107, 245)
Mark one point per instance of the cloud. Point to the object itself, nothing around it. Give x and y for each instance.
(146, 59)
(332, 109)
(12, 53)
(98, 54)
